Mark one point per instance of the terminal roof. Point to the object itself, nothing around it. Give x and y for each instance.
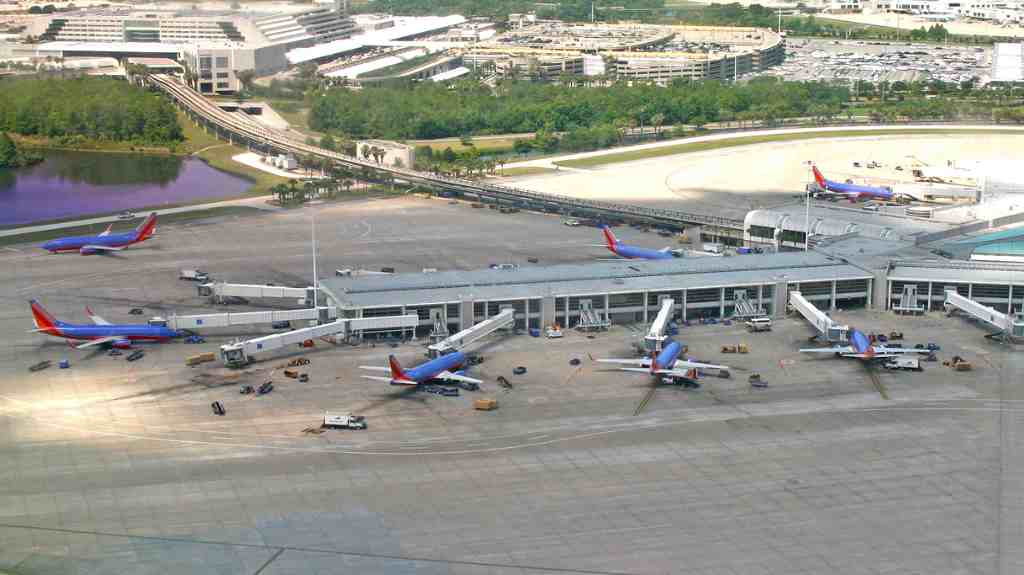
(587, 279)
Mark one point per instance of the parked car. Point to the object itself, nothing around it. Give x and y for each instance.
(126, 215)
(265, 388)
(218, 408)
(136, 311)
(137, 354)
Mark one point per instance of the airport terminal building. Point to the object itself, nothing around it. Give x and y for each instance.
(619, 292)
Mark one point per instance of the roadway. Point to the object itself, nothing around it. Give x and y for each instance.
(245, 130)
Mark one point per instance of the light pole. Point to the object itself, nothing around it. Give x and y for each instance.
(807, 208)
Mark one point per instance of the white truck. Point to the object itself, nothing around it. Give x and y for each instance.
(759, 324)
(347, 421)
(194, 276)
(903, 362)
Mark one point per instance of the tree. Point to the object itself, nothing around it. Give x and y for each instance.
(365, 150)
(657, 120)
(8, 152)
(327, 142)
(246, 77)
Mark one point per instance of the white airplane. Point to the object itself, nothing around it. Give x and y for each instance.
(860, 347)
(666, 365)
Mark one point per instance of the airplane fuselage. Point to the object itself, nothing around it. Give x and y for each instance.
(667, 358)
(132, 332)
(633, 252)
(429, 370)
(75, 243)
(858, 191)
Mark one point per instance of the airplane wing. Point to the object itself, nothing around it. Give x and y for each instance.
(101, 341)
(666, 250)
(95, 318)
(682, 363)
(456, 377)
(102, 248)
(843, 349)
(640, 361)
(636, 369)
(390, 380)
(890, 351)
(106, 232)
(374, 368)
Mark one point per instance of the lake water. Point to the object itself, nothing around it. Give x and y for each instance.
(72, 184)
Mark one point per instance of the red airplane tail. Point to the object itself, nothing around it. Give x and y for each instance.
(396, 370)
(609, 238)
(146, 228)
(42, 318)
(818, 177)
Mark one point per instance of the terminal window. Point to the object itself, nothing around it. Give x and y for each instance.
(222, 62)
(222, 75)
(205, 63)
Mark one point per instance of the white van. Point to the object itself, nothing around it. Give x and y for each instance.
(759, 324)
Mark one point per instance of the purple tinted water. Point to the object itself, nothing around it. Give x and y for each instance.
(72, 184)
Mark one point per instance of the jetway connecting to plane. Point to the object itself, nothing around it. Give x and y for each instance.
(1011, 326)
(211, 320)
(833, 332)
(655, 338)
(256, 291)
(505, 318)
(243, 352)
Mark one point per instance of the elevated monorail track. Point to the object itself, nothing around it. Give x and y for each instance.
(238, 129)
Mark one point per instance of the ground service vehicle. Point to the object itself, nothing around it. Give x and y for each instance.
(194, 276)
(137, 354)
(905, 363)
(348, 421)
(759, 324)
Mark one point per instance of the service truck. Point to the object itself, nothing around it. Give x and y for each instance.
(347, 421)
(194, 276)
(903, 362)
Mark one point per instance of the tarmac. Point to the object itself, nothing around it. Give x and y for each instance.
(732, 181)
(118, 467)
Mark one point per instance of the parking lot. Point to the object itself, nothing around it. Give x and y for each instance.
(118, 467)
(809, 59)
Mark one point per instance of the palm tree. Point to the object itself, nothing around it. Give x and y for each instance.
(657, 120)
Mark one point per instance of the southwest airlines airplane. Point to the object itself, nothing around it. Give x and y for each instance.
(105, 242)
(436, 369)
(100, 332)
(632, 252)
(851, 191)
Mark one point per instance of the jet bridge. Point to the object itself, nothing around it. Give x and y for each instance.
(455, 342)
(656, 335)
(249, 318)
(241, 353)
(254, 291)
(833, 332)
(1008, 325)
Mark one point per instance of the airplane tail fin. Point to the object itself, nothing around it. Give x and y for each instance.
(396, 370)
(818, 177)
(42, 318)
(146, 228)
(609, 238)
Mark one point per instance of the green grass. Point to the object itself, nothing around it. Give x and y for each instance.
(686, 148)
(481, 143)
(525, 171)
(219, 156)
(97, 228)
